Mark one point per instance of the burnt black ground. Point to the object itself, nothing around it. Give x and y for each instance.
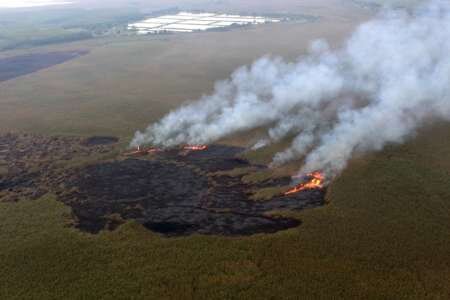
(12, 67)
(31, 164)
(174, 193)
(100, 140)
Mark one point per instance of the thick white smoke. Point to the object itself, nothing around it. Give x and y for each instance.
(392, 75)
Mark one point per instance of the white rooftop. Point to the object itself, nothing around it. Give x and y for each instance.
(190, 22)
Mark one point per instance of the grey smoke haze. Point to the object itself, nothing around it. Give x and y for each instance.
(392, 3)
(391, 76)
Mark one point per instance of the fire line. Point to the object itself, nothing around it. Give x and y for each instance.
(316, 181)
(195, 147)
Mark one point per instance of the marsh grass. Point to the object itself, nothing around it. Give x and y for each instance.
(383, 234)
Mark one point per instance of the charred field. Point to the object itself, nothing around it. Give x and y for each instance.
(20, 65)
(176, 192)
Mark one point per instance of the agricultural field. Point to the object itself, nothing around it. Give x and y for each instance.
(41, 27)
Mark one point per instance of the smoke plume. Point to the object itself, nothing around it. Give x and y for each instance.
(392, 75)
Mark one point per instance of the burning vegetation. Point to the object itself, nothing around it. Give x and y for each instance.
(315, 180)
(195, 147)
(176, 191)
(141, 151)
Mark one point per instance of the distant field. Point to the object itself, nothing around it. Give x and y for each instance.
(24, 28)
(125, 83)
(20, 65)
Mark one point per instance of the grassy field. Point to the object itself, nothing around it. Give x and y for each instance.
(28, 28)
(384, 233)
(123, 84)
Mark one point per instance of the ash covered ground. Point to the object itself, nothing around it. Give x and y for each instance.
(175, 192)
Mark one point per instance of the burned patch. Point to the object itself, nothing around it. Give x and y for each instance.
(214, 158)
(100, 140)
(134, 178)
(31, 165)
(175, 194)
(16, 66)
(20, 185)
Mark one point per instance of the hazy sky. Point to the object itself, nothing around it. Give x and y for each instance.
(401, 3)
(30, 3)
(246, 5)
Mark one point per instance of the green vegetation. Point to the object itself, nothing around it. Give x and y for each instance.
(384, 234)
(264, 194)
(235, 172)
(40, 27)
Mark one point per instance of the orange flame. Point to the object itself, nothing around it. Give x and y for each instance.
(316, 181)
(195, 147)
